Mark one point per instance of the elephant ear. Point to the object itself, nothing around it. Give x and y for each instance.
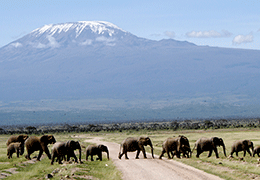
(51, 139)
(102, 147)
(25, 137)
(215, 141)
(22, 138)
(69, 143)
(245, 143)
(144, 140)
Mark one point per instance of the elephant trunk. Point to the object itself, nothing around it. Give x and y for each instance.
(22, 149)
(152, 149)
(107, 154)
(80, 155)
(224, 149)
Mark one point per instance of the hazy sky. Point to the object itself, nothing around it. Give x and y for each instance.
(222, 23)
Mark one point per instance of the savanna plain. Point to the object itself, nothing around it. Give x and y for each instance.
(225, 167)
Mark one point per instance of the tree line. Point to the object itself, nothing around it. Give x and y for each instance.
(136, 126)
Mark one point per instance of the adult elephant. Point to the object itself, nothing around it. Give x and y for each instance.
(209, 144)
(92, 150)
(39, 144)
(132, 144)
(242, 145)
(177, 145)
(63, 149)
(19, 138)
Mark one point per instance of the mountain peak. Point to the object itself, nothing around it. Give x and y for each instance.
(98, 27)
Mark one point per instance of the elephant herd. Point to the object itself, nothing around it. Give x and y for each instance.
(180, 145)
(60, 150)
(173, 146)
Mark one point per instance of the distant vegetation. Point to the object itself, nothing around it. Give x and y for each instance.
(136, 126)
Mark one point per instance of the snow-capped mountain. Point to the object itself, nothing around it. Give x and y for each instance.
(81, 33)
(98, 60)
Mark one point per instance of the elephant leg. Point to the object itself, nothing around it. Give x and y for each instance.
(39, 156)
(168, 153)
(210, 152)
(198, 152)
(163, 151)
(126, 157)
(172, 154)
(137, 154)
(177, 154)
(120, 155)
(47, 152)
(231, 154)
(244, 153)
(143, 150)
(28, 157)
(249, 152)
(100, 156)
(74, 156)
(216, 152)
(87, 156)
(53, 158)
(60, 159)
(17, 152)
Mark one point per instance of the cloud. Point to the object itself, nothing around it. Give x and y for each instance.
(208, 34)
(155, 35)
(52, 42)
(40, 45)
(106, 41)
(243, 39)
(87, 42)
(170, 34)
(16, 44)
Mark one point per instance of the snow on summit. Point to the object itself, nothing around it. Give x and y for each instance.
(98, 27)
(81, 33)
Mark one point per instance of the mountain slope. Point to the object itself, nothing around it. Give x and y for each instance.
(98, 60)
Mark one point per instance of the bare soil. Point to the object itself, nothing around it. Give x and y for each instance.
(151, 169)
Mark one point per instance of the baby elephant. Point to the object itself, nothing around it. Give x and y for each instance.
(242, 145)
(256, 151)
(16, 147)
(96, 150)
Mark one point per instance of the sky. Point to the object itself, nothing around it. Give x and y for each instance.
(217, 23)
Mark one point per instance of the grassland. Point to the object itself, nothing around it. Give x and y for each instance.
(227, 168)
(40, 169)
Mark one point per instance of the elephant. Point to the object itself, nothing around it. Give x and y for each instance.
(242, 145)
(19, 138)
(209, 144)
(256, 151)
(16, 147)
(61, 149)
(132, 144)
(39, 144)
(177, 145)
(96, 150)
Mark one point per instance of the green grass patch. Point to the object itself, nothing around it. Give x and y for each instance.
(98, 169)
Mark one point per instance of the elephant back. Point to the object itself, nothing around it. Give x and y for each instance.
(170, 143)
(131, 144)
(20, 138)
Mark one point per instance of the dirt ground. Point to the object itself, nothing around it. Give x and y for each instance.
(151, 169)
